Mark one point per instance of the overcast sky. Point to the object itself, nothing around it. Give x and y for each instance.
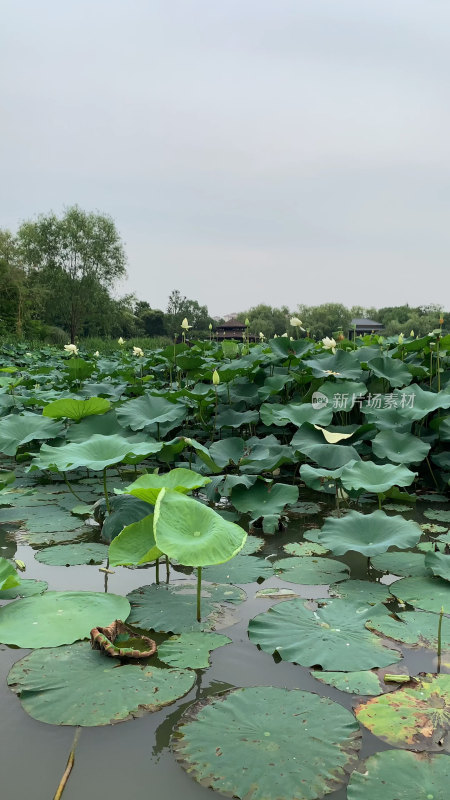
(249, 151)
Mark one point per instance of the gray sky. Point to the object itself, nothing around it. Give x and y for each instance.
(279, 151)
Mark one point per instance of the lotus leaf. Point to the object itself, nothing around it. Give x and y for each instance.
(439, 564)
(98, 453)
(305, 549)
(362, 592)
(401, 775)
(229, 418)
(125, 510)
(334, 636)
(8, 575)
(401, 448)
(148, 487)
(270, 742)
(67, 555)
(395, 371)
(76, 685)
(55, 618)
(311, 570)
(427, 593)
(241, 569)
(155, 414)
(171, 607)
(416, 628)
(227, 451)
(26, 587)
(368, 534)
(18, 429)
(364, 682)
(342, 395)
(135, 544)
(309, 441)
(295, 413)
(190, 649)
(342, 365)
(441, 516)
(405, 564)
(365, 475)
(416, 717)
(74, 409)
(263, 498)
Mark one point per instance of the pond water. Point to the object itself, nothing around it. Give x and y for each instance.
(133, 759)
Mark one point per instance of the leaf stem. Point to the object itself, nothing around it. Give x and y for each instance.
(69, 765)
(199, 593)
(70, 488)
(105, 492)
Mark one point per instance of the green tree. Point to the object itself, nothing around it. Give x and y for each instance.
(74, 258)
(324, 320)
(179, 307)
(267, 320)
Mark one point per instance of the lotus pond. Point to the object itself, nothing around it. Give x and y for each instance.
(273, 520)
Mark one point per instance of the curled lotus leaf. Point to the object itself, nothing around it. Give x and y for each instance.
(371, 477)
(439, 564)
(98, 453)
(19, 429)
(368, 534)
(148, 487)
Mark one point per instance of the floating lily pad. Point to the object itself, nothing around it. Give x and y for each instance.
(252, 545)
(311, 570)
(275, 593)
(362, 592)
(334, 636)
(190, 649)
(241, 569)
(434, 513)
(430, 594)
(401, 775)
(68, 555)
(27, 587)
(76, 685)
(305, 549)
(368, 534)
(439, 564)
(416, 628)
(172, 607)
(267, 743)
(55, 618)
(364, 682)
(416, 716)
(405, 564)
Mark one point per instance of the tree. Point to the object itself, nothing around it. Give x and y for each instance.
(267, 320)
(179, 307)
(76, 258)
(324, 320)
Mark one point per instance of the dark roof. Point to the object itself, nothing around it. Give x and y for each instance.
(366, 323)
(232, 323)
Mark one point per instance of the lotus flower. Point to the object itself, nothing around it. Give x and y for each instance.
(185, 325)
(71, 348)
(296, 323)
(120, 340)
(329, 344)
(215, 378)
(96, 354)
(400, 338)
(137, 351)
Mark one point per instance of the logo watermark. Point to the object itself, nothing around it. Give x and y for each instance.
(341, 401)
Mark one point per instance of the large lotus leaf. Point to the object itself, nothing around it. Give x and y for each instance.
(229, 418)
(334, 636)
(341, 365)
(113, 390)
(17, 429)
(295, 413)
(340, 395)
(438, 514)
(405, 564)
(135, 544)
(267, 743)
(288, 349)
(67, 555)
(442, 460)
(311, 570)
(416, 628)
(154, 413)
(365, 475)
(264, 498)
(106, 424)
(192, 533)
(401, 448)
(416, 717)
(41, 518)
(310, 442)
(8, 575)
(125, 510)
(321, 480)
(265, 455)
(439, 564)
(227, 451)
(76, 409)
(364, 682)
(97, 453)
(361, 592)
(305, 549)
(241, 569)
(368, 534)
(401, 775)
(26, 587)
(76, 685)
(190, 649)
(413, 402)
(78, 369)
(148, 487)
(55, 618)
(172, 607)
(429, 594)
(393, 370)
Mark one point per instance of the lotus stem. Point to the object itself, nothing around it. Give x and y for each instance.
(439, 638)
(105, 492)
(199, 593)
(379, 501)
(157, 570)
(431, 472)
(69, 765)
(167, 569)
(70, 488)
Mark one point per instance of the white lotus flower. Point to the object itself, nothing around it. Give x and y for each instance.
(400, 338)
(329, 344)
(284, 335)
(71, 348)
(296, 323)
(138, 352)
(261, 336)
(120, 340)
(185, 324)
(96, 354)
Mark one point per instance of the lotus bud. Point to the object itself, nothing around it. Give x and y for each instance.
(400, 338)
(210, 326)
(185, 324)
(215, 378)
(441, 320)
(261, 336)
(411, 333)
(120, 341)
(20, 564)
(247, 322)
(96, 354)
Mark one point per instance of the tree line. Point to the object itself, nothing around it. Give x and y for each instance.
(58, 276)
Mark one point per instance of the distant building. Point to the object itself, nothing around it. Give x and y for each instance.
(232, 329)
(360, 327)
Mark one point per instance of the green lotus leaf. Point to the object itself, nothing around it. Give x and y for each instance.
(125, 509)
(18, 429)
(416, 717)
(364, 682)
(427, 593)
(135, 544)
(273, 744)
(361, 592)
(229, 418)
(78, 369)
(74, 409)
(368, 534)
(365, 475)
(8, 575)
(227, 451)
(401, 448)
(405, 564)
(192, 533)
(438, 514)
(305, 549)
(393, 370)
(321, 480)
(172, 607)
(412, 403)
(148, 487)
(415, 628)
(26, 587)
(112, 390)
(252, 545)
(156, 414)
(295, 413)
(340, 365)
(265, 455)
(439, 564)
(400, 775)
(311, 570)
(285, 348)
(55, 618)
(334, 636)
(442, 460)
(76, 685)
(191, 649)
(263, 498)
(241, 569)
(310, 442)
(341, 395)
(67, 555)
(98, 453)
